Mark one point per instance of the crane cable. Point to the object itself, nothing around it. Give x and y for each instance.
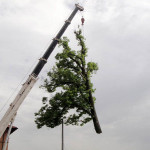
(83, 3)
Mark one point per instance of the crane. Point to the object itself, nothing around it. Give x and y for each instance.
(9, 116)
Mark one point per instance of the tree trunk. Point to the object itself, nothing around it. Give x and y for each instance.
(93, 110)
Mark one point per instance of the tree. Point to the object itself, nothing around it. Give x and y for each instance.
(70, 82)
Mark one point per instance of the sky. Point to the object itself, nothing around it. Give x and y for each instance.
(117, 34)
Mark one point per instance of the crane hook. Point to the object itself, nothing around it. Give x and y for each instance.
(82, 20)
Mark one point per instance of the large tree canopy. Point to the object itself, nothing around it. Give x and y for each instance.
(69, 81)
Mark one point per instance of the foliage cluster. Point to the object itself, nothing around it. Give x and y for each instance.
(70, 82)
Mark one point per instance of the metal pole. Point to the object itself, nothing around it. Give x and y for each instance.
(62, 134)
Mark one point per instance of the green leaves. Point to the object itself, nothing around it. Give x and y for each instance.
(92, 67)
(69, 82)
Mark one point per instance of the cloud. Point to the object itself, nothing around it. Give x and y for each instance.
(117, 34)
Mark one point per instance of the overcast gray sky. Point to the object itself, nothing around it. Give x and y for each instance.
(117, 34)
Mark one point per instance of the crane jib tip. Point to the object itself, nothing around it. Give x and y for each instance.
(79, 7)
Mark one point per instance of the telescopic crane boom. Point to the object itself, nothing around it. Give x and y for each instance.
(10, 114)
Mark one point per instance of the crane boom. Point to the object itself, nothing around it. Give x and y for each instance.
(27, 86)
